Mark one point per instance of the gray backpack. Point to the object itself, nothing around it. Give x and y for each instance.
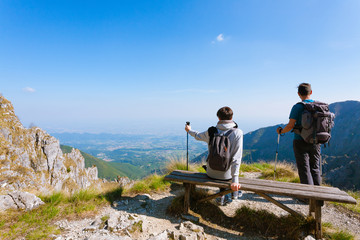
(316, 123)
(219, 149)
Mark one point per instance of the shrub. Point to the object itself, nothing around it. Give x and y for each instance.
(342, 235)
(113, 194)
(351, 207)
(151, 183)
(284, 227)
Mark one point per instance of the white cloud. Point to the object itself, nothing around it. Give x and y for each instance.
(220, 37)
(29, 90)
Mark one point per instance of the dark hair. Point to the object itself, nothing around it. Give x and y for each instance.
(225, 113)
(304, 89)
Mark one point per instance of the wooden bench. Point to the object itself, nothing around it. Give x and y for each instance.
(315, 194)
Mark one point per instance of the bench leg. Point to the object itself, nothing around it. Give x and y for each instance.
(312, 208)
(318, 230)
(315, 211)
(187, 197)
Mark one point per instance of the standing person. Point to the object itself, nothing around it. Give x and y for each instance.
(307, 155)
(228, 127)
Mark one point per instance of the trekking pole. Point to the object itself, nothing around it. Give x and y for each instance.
(187, 148)
(321, 165)
(277, 152)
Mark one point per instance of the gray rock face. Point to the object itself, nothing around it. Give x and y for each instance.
(6, 202)
(19, 200)
(125, 181)
(32, 159)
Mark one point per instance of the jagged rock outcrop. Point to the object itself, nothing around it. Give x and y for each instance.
(31, 159)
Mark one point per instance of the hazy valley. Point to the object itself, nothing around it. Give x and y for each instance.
(134, 156)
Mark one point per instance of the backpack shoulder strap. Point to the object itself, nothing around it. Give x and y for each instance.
(211, 131)
(309, 106)
(230, 131)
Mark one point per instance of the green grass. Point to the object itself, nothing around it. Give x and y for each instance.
(156, 182)
(2, 223)
(342, 235)
(255, 167)
(285, 172)
(179, 163)
(351, 207)
(38, 223)
(151, 183)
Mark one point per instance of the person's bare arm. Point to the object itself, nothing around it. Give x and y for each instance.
(288, 127)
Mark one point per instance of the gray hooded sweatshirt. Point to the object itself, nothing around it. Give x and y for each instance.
(236, 148)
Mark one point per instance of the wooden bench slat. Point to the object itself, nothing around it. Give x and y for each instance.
(198, 181)
(310, 193)
(300, 194)
(271, 183)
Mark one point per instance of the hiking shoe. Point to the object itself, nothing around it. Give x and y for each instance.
(236, 195)
(224, 200)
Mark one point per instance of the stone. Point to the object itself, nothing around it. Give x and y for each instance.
(142, 197)
(6, 202)
(189, 217)
(162, 236)
(190, 226)
(90, 229)
(113, 220)
(309, 238)
(97, 222)
(124, 181)
(188, 236)
(190, 231)
(25, 200)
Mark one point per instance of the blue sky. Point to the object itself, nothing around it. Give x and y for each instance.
(150, 66)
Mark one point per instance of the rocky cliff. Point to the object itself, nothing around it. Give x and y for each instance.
(31, 159)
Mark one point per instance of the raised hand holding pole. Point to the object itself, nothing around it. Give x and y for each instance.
(279, 130)
(187, 148)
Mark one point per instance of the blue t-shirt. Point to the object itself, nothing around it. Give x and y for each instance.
(296, 113)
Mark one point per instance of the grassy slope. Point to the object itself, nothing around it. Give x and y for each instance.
(108, 170)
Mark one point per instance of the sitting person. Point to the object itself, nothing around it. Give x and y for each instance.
(227, 127)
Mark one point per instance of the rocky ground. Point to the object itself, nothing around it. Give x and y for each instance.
(144, 217)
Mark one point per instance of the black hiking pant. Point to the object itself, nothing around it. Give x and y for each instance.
(308, 157)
